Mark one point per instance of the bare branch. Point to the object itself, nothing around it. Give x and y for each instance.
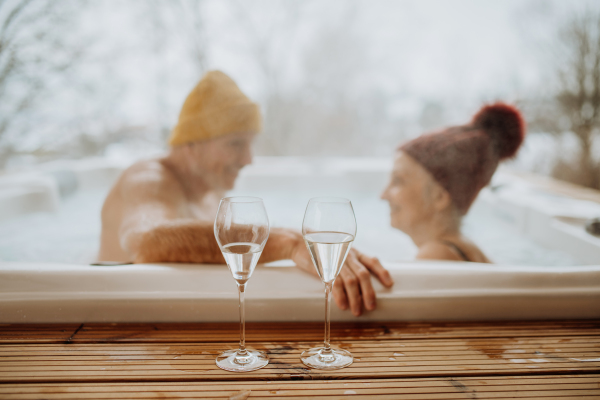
(13, 15)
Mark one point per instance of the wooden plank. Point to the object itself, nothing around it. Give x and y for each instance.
(534, 360)
(37, 333)
(182, 358)
(36, 327)
(491, 349)
(283, 365)
(408, 342)
(21, 333)
(314, 331)
(366, 351)
(275, 374)
(406, 382)
(328, 394)
(480, 387)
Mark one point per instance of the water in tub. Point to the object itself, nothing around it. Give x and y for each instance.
(71, 234)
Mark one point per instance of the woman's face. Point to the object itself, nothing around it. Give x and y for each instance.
(407, 194)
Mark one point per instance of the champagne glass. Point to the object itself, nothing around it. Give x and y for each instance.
(242, 229)
(329, 228)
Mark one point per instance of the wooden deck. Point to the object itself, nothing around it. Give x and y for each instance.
(501, 360)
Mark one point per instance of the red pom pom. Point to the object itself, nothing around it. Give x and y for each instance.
(505, 125)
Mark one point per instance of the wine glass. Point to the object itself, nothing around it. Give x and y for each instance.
(242, 229)
(329, 228)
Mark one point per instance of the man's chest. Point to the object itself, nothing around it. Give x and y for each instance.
(203, 209)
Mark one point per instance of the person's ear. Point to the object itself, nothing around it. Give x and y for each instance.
(441, 198)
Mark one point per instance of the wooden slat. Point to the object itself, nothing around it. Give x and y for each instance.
(312, 331)
(155, 361)
(501, 360)
(567, 387)
(37, 333)
(21, 333)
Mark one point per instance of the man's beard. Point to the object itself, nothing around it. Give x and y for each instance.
(218, 182)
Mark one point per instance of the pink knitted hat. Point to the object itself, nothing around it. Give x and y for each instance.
(463, 158)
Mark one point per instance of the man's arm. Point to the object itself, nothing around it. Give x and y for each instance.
(194, 242)
(152, 230)
(178, 241)
(186, 240)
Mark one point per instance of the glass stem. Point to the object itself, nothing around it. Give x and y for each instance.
(241, 290)
(328, 287)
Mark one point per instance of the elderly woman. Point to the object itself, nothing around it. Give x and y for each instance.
(436, 178)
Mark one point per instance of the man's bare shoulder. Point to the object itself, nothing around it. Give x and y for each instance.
(149, 177)
(150, 171)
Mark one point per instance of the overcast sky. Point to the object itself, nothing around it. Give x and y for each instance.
(466, 49)
(138, 67)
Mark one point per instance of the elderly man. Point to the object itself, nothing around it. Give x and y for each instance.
(162, 210)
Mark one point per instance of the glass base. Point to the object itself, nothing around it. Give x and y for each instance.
(231, 360)
(317, 358)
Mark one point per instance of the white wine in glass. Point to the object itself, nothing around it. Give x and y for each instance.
(241, 259)
(242, 230)
(328, 251)
(329, 228)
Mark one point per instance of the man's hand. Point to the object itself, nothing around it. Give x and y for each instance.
(353, 286)
(301, 257)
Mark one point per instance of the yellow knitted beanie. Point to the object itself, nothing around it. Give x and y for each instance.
(215, 107)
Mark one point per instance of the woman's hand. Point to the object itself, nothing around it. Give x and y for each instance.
(353, 286)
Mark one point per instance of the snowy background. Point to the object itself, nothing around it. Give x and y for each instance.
(335, 77)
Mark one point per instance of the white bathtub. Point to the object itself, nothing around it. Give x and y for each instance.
(76, 292)
(194, 293)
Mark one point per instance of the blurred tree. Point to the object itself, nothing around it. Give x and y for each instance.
(33, 50)
(269, 43)
(174, 23)
(193, 29)
(316, 93)
(575, 107)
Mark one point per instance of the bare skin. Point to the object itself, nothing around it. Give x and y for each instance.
(423, 209)
(162, 210)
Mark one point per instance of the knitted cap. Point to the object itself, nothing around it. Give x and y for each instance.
(463, 158)
(215, 107)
